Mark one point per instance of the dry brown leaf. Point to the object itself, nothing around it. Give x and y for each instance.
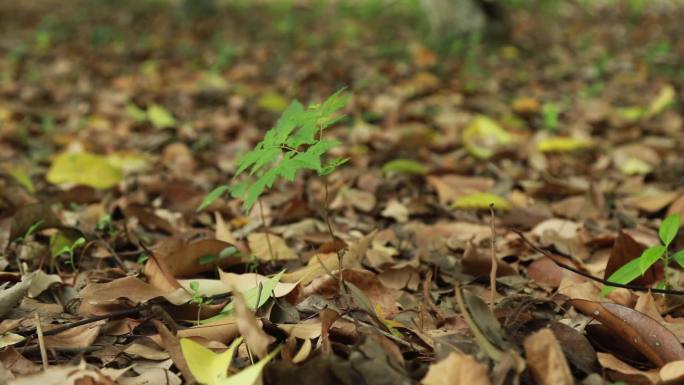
(223, 330)
(78, 337)
(457, 369)
(642, 332)
(246, 281)
(620, 371)
(130, 288)
(258, 243)
(250, 327)
(651, 201)
(452, 187)
(171, 344)
(546, 360)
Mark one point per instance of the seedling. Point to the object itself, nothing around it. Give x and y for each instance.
(638, 266)
(197, 298)
(30, 231)
(295, 143)
(550, 112)
(69, 249)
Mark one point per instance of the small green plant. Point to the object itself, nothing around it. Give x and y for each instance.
(295, 143)
(638, 266)
(30, 231)
(66, 248)
(550, 112)
(197, 298)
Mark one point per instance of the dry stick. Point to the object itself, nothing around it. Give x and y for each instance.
(266, 231)
(41, 343)
(340, 256)
(492, 272)
(589, 276)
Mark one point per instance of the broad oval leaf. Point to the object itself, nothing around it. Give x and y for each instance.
(679, 257)
(668, 229)
(404, 166)
(85, 169)
(484, 137)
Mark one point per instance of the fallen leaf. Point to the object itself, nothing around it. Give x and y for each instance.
(546, 360)
(257, 340)
(563, 144)
(9, 298)
(481, 201)
(483, 137)
(259, 244)
(642, 332)
(457, 369)
(85, 169)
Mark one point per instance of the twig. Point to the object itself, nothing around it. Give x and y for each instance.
(41, 343)
(340, 255)
(589, 276)
(492, 272)
(266, 231)
(86, 321)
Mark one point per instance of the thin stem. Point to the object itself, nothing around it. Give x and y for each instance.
(340, 256)
(266, 230)
(492, 272)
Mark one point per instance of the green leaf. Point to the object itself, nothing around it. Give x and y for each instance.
(679, 257)
(404, 166)
(61, 243)
(85, 169)
(160, 117)
(206, 366)
(668, 229)
(254, 297)
(212, 196)
(650, 256)
(634, 268)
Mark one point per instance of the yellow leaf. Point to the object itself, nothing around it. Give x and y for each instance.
(481, 201)
(250, 375)
(207, 367)
(273, 102)
(635, 166)
(484, 137)
(664, 99)
(129, 161)
(563, 144)
(85, 169)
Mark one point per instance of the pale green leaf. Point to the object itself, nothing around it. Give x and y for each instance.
(160, 117)
(85, 169)
(404, 166)
(650, 256)
(664, 99)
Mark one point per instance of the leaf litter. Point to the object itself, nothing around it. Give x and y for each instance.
(540, 165)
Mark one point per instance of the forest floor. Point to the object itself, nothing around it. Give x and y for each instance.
(490, 188)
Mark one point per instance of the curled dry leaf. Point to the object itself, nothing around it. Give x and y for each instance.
(620, 371)
(9, 298)
(183, 259)
(78, 337)
(130, 288)
(457, 369)
(246, 281)
(546, 360)
(642, 332)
